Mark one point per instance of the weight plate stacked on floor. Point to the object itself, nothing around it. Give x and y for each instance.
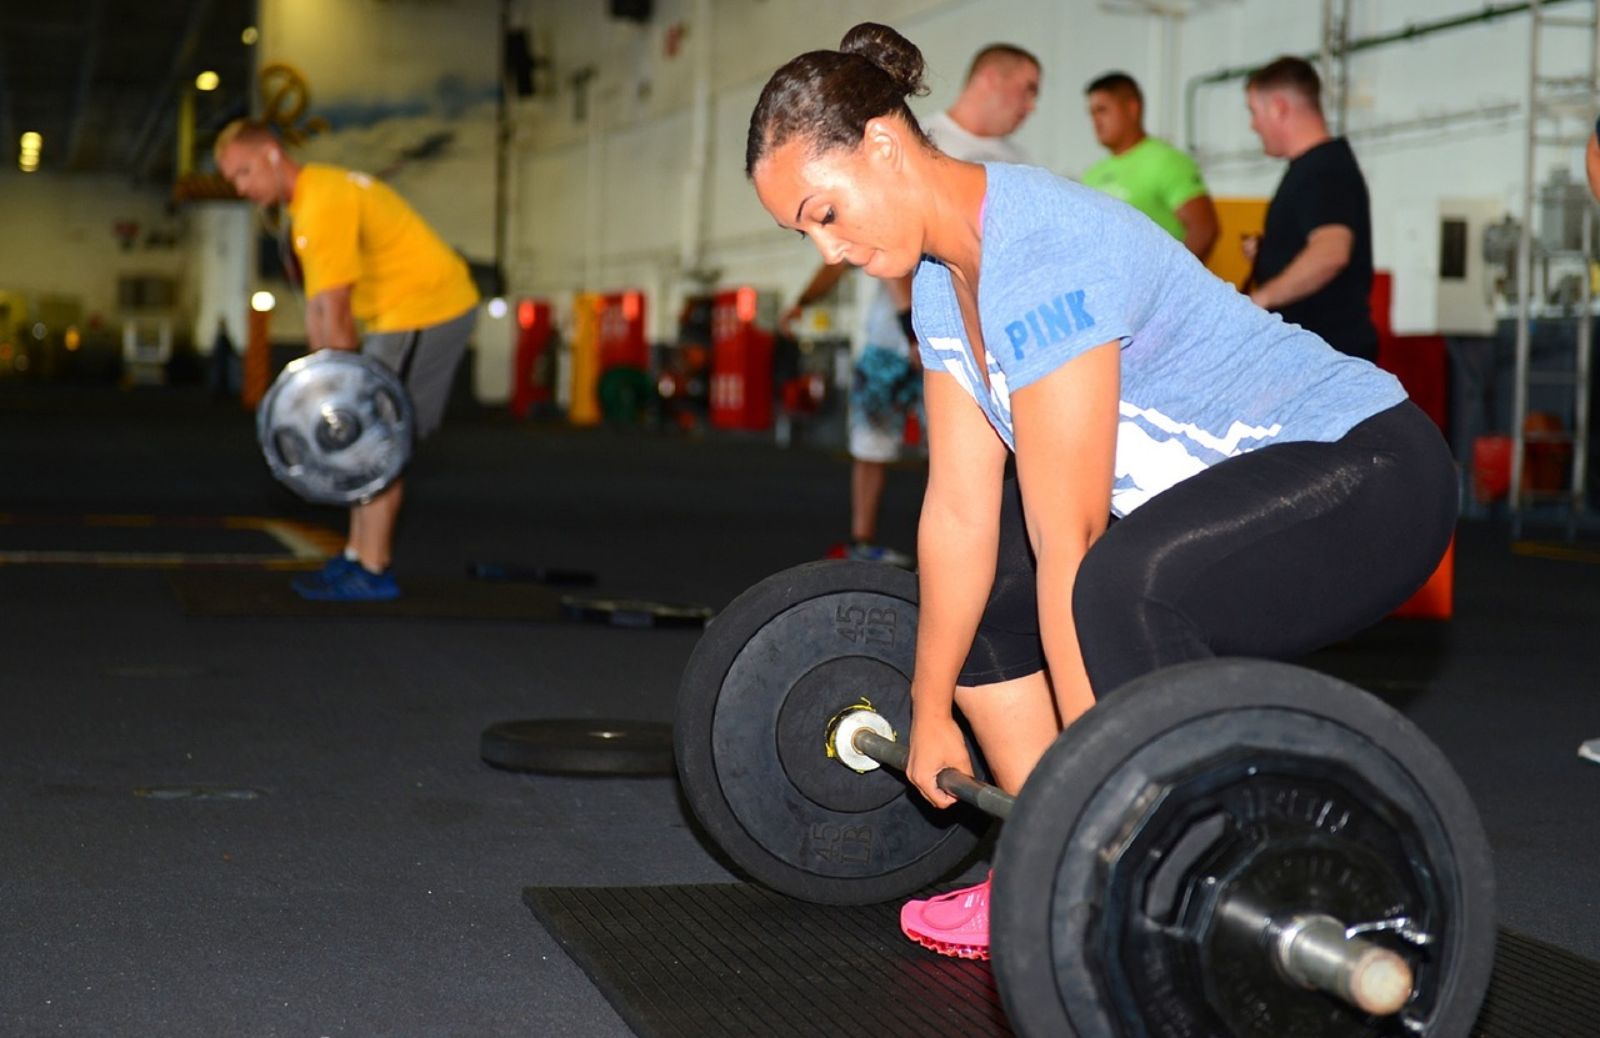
(573, 746)
(1212, 791)
(633, 612)
(757, 696)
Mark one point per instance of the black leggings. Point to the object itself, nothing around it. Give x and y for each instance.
(1273, 553)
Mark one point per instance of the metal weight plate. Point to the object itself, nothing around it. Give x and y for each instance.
(570, 746)
(633, 612)
(1236, 782)
(510, 572)
(764, 681)
(336, 427)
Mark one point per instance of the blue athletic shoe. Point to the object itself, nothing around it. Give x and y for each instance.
(353, 583)
(862, 552)
(338, 564)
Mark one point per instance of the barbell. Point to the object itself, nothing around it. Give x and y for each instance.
(336, 427)
(1312, 949)
(1230, 847)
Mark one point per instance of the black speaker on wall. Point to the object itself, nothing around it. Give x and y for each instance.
(632, 10)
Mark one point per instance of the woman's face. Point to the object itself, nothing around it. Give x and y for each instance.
(850, 202)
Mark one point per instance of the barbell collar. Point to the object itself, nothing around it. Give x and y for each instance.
(1316, 952)
(991, 800)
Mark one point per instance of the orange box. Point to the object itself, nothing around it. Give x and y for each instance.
(1435, 600)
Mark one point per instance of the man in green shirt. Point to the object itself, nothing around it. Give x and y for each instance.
(1147, 172)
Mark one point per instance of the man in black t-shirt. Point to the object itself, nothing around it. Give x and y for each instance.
(1313, 262)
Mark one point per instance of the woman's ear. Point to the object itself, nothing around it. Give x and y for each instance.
(884, 140)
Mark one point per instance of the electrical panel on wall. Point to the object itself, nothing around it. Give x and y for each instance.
(1442, 283)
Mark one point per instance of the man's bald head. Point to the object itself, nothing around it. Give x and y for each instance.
(1002, 57)
(245, 131)
(251, 157)
(1001, 90)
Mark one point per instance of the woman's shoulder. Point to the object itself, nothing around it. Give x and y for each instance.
(1030, 193)
(1030, 204)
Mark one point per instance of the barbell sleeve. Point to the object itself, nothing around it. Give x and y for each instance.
(991, 800)
(1314, 951)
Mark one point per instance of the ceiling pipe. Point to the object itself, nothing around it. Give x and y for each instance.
(147, 140)
(8, 128)
(697, 174)
(502, 152)
(1409, 32)
(87, 66)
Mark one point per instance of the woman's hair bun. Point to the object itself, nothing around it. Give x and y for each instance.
(890, 51)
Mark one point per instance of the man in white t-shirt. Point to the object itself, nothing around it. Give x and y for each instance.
(1001, 89)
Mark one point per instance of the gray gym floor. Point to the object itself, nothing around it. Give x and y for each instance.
(357, 870)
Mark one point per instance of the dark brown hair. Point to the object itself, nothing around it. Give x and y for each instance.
(827, 96)
(1119, 83)
(1293, 74)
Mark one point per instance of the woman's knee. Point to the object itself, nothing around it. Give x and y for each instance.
(1124, 627)
(1108, 588)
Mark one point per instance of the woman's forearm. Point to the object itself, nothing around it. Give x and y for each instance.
(955, 571)
(1057, 575)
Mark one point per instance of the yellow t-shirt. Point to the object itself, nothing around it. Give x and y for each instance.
(351, 229)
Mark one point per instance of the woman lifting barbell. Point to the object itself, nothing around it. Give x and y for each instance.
(1272, 495)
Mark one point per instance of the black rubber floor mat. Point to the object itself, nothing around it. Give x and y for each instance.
(1539, 991)
(154, 541)
(163, 540)
(258, 593)
(737, 960)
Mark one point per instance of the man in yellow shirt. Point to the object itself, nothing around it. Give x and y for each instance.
(364, 255)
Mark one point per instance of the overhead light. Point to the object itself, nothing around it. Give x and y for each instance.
(28, 163)
(207, 80)
(31, 141)
(250, 35)
(263, 302)
(497, 308)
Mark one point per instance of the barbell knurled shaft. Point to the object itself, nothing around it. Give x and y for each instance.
(991, 800)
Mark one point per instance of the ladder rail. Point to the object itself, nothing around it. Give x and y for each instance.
(1550, 97)
(1519, 390)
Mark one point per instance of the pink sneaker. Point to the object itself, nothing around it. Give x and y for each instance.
(954, 924)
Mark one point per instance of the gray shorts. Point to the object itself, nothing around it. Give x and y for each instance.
(426, 360)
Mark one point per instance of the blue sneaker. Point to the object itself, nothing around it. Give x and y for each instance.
(354, 583)
(863, 552)
(338, 564)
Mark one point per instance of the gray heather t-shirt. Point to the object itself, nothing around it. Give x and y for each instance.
(1206, 374)
(880, 324)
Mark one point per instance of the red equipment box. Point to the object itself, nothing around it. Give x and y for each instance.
(741, 362)
(533, 337)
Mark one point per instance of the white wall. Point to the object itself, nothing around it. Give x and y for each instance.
(1471, 82)
(598, 203)
(59, 241)
(599, 199)
(394, 78)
